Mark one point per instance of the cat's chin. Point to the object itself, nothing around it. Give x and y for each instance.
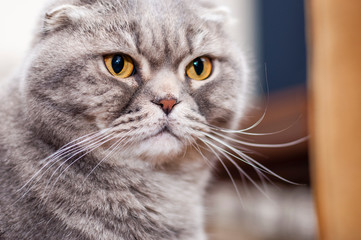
(159, 148)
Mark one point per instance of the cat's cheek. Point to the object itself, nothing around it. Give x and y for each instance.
(101, 117)
(101, 121)
(105, 108)
(130, 82)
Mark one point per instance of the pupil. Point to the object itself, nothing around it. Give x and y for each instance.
(117, 64)
(198, 66)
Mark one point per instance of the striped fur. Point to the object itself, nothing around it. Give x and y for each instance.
(81, 152)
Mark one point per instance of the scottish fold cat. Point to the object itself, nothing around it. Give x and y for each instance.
(109, 129)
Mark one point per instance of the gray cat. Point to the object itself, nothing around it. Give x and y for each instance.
(109, 128)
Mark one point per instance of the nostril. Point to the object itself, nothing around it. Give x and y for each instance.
(166, 104)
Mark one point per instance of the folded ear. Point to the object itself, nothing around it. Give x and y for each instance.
(62, 16)
(219, 14)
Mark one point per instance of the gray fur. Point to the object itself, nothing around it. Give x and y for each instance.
(147, 187)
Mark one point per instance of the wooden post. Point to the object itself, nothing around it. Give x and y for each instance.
(334, 28)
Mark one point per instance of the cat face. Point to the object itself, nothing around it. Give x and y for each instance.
(155, 77)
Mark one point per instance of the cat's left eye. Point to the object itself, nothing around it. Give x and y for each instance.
(199, 69)
(119, 65)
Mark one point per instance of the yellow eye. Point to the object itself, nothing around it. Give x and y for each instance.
(199, 69)
(119, 65)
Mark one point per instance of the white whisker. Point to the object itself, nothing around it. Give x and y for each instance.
(242, 172)
(53, 161)
(89, 149)
(249, 159)
(112, 148)
(227, 170)
(209, 163)
(61, 152)
(244, 131)
(264, 145)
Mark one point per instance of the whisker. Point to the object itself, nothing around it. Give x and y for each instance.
(265, 145)
(79, 149)
(209, 163)
(228, 154)
(250, 160)
(112, 149)
(47, 170)
(265, 109)
(61, 152)
(59, 158)
(185, 152)
(241, 171)
(227, 170)
(89, 149)
(244, 131)
(234, 150)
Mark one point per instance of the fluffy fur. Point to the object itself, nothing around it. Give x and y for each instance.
(84, 155)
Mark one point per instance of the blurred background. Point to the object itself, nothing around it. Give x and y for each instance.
(273, 33)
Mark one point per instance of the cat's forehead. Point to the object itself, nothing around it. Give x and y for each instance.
(162, 30)
(166, 30)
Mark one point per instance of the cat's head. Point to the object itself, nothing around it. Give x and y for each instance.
(154, 74)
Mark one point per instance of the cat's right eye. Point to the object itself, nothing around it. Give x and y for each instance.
(119, 65)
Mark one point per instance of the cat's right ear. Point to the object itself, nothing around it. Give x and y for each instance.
(62, 16)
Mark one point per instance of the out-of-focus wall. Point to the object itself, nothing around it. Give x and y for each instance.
(17, 21)
(283, 43)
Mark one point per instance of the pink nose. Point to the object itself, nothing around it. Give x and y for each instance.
(167, 104)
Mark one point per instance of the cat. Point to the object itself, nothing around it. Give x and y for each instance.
(111, 126)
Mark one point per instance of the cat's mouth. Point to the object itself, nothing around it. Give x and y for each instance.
(160, 144)
(164, 131)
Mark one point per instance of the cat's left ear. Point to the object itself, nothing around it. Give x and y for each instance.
(217, 14)
(62, 16)
(214, 12)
